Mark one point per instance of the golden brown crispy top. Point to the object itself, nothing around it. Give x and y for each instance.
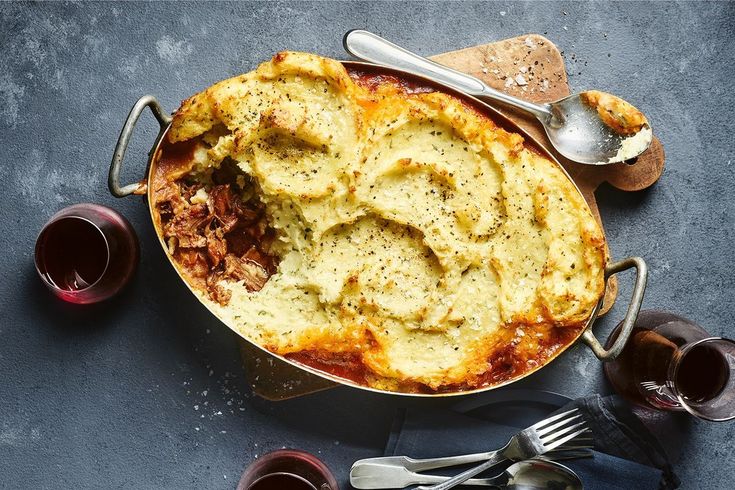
(417, 242)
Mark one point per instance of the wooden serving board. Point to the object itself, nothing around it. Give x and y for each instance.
(532, 68)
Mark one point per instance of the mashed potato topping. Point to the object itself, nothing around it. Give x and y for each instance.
(616, 113)
(417, 243)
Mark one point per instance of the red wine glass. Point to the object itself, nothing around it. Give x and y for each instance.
(671, 363)
(86, 253)
(288, 469)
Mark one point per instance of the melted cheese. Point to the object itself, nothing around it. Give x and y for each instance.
(412, 230)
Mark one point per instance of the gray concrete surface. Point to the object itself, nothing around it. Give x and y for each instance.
(146, 390)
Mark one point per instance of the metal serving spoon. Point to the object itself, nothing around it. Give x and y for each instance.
(592, 127)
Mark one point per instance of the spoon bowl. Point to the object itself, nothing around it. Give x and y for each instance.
(581, 134)
(540, 474)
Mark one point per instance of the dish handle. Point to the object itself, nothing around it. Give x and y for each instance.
(113, 179)
(588, 337)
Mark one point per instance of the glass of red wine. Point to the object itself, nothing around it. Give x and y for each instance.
(86, 253)
(671, 363)
(288, 469)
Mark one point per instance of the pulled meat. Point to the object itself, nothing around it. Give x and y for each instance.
(222, 206)
(216, 245)
(244, 269)
(188, 226)
(194, 261)
(223, 238)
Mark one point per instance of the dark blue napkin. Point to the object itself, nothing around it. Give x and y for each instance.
(626, 454)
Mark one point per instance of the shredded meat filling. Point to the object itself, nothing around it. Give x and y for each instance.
(224, 238)
(187, 227)
(247, 270)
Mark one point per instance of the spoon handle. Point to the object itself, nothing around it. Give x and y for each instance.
(465, 475)
(373, 48)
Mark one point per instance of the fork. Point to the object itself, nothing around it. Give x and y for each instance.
(540, 438)
(378, 476)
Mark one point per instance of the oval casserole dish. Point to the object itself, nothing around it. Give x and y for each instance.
(372, 227)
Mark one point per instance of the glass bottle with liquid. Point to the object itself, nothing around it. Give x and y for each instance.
(671, 363)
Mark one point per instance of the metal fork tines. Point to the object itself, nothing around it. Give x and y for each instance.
(540, 438)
